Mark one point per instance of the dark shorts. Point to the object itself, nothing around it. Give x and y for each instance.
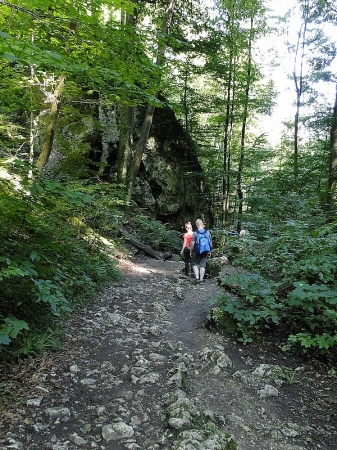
(199, 260)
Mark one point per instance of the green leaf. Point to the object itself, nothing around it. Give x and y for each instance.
(34, 256)
(54, 55)
(10, 57)
(36, 189)
(4, 338)
(13, 326)
(5, 35)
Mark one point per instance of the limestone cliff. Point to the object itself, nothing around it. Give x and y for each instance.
(170, 180)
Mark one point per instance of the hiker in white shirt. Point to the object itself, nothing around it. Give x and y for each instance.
(243, 232)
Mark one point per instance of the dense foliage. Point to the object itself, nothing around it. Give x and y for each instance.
(285, 286)
(60, 247)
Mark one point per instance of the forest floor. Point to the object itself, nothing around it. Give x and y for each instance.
(139, 370)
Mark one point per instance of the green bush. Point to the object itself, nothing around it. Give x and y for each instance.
(254, 306)
(49, 265)
(289, 288)
(154, 233)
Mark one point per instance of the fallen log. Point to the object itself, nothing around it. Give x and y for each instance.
(145, 248)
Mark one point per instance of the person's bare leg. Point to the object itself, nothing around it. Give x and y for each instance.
(196, 272)
(202, 273)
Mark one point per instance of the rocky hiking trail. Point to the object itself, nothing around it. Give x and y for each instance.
(139, 370)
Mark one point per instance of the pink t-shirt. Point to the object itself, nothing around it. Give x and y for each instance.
(188, 238)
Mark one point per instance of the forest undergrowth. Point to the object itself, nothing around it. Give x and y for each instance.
(62, 242)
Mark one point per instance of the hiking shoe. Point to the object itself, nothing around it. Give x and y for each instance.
(196, 281)
(202, 281)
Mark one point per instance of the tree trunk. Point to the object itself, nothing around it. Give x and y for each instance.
(50, 132)
(298, 81)
(126, 112)
(31, 144)
(125, 142)
(140, 147)
(139, 150)
(185, 168)
(145, 248)
(243, 129)
(332, 180)
(226, 146)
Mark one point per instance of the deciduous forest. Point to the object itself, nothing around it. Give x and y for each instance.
(82, 84)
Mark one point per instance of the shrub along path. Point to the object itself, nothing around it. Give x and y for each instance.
(140, 371)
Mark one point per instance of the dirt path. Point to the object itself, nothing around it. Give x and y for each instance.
(140, 371)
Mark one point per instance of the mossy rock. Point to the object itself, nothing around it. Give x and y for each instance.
(215, 265)
(221, 321)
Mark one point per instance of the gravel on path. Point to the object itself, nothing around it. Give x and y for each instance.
(139, 370)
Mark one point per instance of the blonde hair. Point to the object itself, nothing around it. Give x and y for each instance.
(199, 223)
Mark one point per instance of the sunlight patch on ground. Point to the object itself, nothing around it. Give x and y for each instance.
(132, 267)
(140, 269)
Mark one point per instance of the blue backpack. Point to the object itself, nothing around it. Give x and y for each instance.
(203, 242)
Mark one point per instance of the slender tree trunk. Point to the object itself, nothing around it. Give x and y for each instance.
(125, 142)
(332, 180)
(140, 147)
(243, 130)
(185, 150)
(32, 124)
(31, 144)
(54, 113)
(226, 180)
(50, 132)
(139, 150)
(226, 148)
(231, 124)
(296, 126)
(126, 113)
(298, 81)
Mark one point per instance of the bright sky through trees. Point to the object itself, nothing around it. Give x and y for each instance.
(278, 65)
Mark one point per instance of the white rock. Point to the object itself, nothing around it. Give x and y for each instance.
(78, 440)
(289, 432)
(61, 445)
(34, 402)
(179, 423)
(100, 410)
(17, 445)
(74, 368)
(216, 370)
(268, 391)
(57, 412)
(150, 378)
(117, 431)
(224, 361)
(88, 381)
(156, 357)
(114, 318)
(176, 379)
(40, 427)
